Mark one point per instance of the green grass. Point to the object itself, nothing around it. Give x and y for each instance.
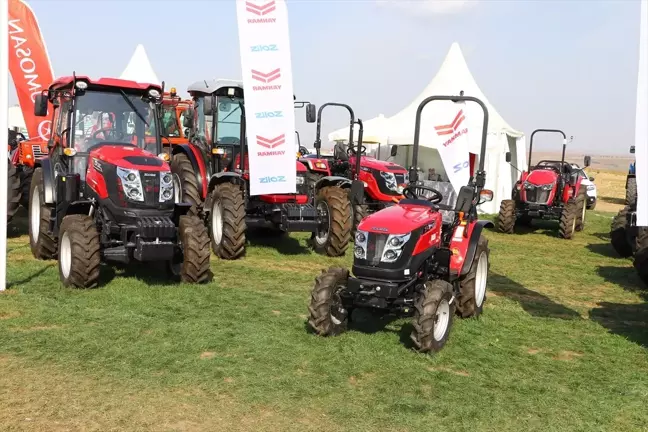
(562, 346)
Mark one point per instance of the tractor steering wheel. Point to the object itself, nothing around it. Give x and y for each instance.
(351, 151)
(436, 197)
(110, 134)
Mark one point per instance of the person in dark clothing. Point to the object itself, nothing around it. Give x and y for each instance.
(340, 151)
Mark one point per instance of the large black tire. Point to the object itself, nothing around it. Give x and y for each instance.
(506, 217)
(641, 257)
(431, 310)
(631, 191)
(592, 206)
(186, 186)
(194, 240)
(25, 183)
(42, 243)
(79, 252)
(472, 289)
(335, 241)
(581, 200)
(327, 314)
(13, 191)
(619, 235)
(569, 219)
(227, 221)
(359, 212)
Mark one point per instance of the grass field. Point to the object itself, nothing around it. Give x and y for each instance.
(562, 346)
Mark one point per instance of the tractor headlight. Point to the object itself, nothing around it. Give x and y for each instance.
(591, 187)
(166, 186)
(394, 247)
(360, 249)
(131, 183)
(547, 187)
(528, 186)
(300, 180)
(390, 180)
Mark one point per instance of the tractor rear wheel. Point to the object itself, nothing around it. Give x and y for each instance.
(79, 252)
(506, 218)
(569, 219)
(25, 183)
(227, 221)
(327, 314)
(433, 316)
(43, 244)
(185, 184)
(581, 200)
(194, 240)
(631, 191)
(641, 257)
(13, 190)
(333, 239)
(619, 234)
(472, 289)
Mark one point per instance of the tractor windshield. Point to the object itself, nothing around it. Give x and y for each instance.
(228, 127)
(116, 117)
(170, 121)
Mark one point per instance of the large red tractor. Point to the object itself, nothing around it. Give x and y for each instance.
(104, 192)
(211, 177)
(418, 257)
(550, 190)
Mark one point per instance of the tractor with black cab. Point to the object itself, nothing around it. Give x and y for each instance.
(417, 258)
(105, 192)
(550, 190)
(212, 174)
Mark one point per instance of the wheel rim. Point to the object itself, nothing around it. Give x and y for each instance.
(65, 255)
(177, 191)
(322, 235)
(217, 222)
(574, 225)
(481, 278)
(35, 214)
(441, 320)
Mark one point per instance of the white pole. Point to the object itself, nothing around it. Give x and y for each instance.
(641, 123)
(4, 103)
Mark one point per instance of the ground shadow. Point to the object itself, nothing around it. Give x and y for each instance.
(547, 227)
(151, 273)
(32, 276)
(627, 320)
(604, 249)
(533, 303)
(603, 236)
(282, 242)
(19, 224)
(625, 277)
(613, 200)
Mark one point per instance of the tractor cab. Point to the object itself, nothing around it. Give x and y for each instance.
(172, 115)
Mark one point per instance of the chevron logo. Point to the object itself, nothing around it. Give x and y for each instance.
(271, 142)
(266, 77)
(451, 128)
(260, 10)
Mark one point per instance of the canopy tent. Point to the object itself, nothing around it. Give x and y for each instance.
(452, 78)
(15, 119)
(139, 68)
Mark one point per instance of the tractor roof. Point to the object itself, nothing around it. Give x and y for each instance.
(66, 81)
(210, 86)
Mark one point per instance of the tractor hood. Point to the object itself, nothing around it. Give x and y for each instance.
(377, 164)
(398, 219)
(301, 167)
(542, 177)
(129, 157)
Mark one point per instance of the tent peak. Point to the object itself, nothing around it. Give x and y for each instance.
(139, 67)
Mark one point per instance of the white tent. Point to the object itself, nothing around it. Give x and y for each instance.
(139, 68)
(15, 119)
(452, 78)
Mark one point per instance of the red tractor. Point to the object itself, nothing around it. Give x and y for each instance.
(14, 191)
(550, 190)
(210, 176)
(105, 192)
(418, 257)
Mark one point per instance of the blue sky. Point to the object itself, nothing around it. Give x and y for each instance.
(570, 65)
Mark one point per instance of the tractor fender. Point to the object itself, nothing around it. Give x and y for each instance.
(472, 245)
(222, 177)
(338, 181)
(197, 163)
(48, 180)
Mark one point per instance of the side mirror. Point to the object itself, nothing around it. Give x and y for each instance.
(632, 149)
(508, 157)
(40, 105)
(188, 119)
(588, 161)
(208, 107)
(393, 151)
(311, 113)
(591, 178)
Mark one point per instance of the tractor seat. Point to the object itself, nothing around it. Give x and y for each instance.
(449, 199)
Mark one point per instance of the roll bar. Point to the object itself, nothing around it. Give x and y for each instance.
(551, 131)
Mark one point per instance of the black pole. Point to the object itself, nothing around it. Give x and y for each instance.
(318, 133)
(243, 138)
(356, 175)
(547, 130)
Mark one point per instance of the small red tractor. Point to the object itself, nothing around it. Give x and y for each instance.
(24, 158)
(418, 257)
(210, 176)
(105, 191)
(550, 190)
(14, 191)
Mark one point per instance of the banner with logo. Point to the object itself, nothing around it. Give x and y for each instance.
(267, 83)
(29, 65)
(641, 125)
(452, 144)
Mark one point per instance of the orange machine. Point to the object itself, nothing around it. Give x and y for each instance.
(173, 108)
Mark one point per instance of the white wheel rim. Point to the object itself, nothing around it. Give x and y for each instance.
(177, 192)
(481, 278)
(321, 237)
(574, 225)
(217, 222)
(442, 320)
(65, 255)
(35, 214)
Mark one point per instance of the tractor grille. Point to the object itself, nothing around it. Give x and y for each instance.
(38, 153)
(536, 195)
(151, 185)
(375, 247)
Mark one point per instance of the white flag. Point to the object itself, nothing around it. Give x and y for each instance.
(452, 144)
(641, 122)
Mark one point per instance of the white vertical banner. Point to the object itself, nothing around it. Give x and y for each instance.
(452, 145)
(267, 83)
(641, 121)
(4, 102)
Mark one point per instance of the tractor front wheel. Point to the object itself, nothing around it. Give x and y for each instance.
(332, 238)
(185, 184)
(433, 316)
(641, 257)
(631, 191)
(194, 241)
(619, 234)
(327, 314)
(25, 183)
(13, 190)
(581, 199)
(506, 218)
(79, 252)
(227, 221)
(569, 219)
(472, 289)
(43, 244)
